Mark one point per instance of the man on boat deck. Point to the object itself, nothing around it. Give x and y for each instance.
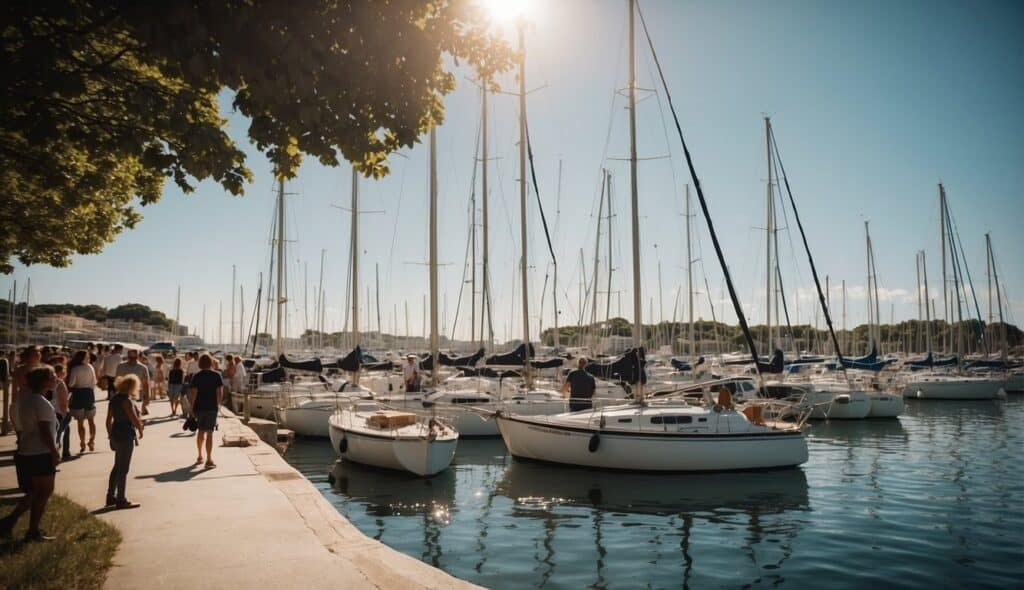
(411, 373)
(580, 386)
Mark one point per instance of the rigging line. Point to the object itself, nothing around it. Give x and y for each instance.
(810, 257)
(398, 217)
(469, 238)
(785, 307)
(703, 202)
(970, 282)
(536, 189)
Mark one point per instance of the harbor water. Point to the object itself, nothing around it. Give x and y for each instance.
(932, 499)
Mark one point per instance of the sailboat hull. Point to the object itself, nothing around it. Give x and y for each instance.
(537, 440)
(422, 456)
(955, 388)
(885, 405)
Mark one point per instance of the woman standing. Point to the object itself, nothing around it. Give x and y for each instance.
(175, 381)
(122, 424)
(82, 383)
(206, 392)
(228, 373)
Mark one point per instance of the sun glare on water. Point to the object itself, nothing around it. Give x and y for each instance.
(508, 11)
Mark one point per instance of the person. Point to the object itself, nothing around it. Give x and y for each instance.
(191, 365)
(159, 378)
(82, 384)
(29, 359)
(175, 381)
(579, 386)
(37, 456)
(124, 429)
(240, 375)
(61, 405)
(411, 374)
(5, 378)
(110, 365)
(133, 367)
(229, 373)
(206, 392)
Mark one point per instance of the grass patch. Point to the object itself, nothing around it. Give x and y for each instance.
(79, 558)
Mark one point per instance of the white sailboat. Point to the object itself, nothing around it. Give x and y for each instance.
(654, 436)
(369, 434)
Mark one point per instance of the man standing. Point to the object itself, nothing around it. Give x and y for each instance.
(579, 386)
(133, 367)
(37, 457)
(110, 364)
(411, 373)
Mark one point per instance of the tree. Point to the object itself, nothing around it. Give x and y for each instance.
(106, 100)
(140, 313)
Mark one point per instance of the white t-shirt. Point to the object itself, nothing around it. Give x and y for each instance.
(408, 370)
(110, 364)
(32, 409)
(239, 376)
(81, 376)
(192, 367)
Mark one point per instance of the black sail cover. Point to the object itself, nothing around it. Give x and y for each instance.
(427, 364)
(774, 365)
(313, 366)
(629, 368)
(516, 358)
(275, 375)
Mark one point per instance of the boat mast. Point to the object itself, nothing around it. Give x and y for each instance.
(278, 336)
(594, 288)
(920, 311)
(433, 259)
(524, 259)
(945, 281)
(320, 303)
(554, 262)
(485, 296)
(927, 311)
(769, 231)
(231, 325)
(999, 296)
(608, 294)
(689, 278)
(638, 326)
(355, 264)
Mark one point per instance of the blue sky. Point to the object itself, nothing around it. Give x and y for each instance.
(873, 103)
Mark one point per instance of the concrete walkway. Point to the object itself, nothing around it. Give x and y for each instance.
(251, 522)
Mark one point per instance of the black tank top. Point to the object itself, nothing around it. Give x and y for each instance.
(122, 428)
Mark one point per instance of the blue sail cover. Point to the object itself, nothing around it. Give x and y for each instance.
(872, 366)
(774, 365)
(681, 365)
(931, 361)
(448, 361)
(516, 358)
(869, 358)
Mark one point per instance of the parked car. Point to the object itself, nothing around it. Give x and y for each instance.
(161, 348)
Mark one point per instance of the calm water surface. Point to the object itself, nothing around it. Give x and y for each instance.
(933, 499)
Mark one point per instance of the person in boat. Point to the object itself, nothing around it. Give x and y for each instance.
(580, 386)
(411, 373)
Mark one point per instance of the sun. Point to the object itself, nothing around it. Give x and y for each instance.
(508, 11)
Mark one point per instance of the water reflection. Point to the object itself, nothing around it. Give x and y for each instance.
(394, 493)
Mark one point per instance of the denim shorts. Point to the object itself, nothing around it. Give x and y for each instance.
(207, 420)
(174, 390)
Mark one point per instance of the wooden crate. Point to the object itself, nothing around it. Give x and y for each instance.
(391, 419)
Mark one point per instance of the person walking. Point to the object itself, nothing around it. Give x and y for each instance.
(240, 375)
(159, 378)
(110, 365)
(133, 367)
(124, 429)
(61, 405)
(206, 392)
(191, 365)
(28, 360)
(82, 405)
(580, 386)
(175, 382)
(37, 456)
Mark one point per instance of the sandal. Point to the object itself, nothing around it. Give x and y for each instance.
(199, 461)
(92, 445)
(210, 464)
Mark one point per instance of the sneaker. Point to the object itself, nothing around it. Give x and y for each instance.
(38, 536)
(110, 500)
(126, 504)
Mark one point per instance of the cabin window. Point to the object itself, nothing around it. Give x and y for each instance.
(671, 420)
(702, 419)
(625, 420)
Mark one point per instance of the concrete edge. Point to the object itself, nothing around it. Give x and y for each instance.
(381, 565)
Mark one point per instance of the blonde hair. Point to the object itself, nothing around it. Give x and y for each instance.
(128, 385)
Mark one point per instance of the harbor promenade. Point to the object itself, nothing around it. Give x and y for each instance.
(253, 521)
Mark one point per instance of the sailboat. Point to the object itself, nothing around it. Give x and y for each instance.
(371, 434)
(937, 385)
(656, 435)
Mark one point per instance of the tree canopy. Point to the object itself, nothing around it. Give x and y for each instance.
(105, 101)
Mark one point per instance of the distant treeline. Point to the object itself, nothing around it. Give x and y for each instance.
(130, 311)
